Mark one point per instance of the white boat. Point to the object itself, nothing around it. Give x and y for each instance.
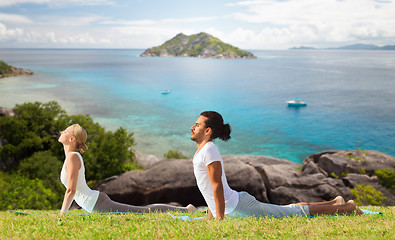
(296, 103)
(166, 91)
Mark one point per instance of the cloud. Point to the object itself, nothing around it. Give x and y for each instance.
(14, 18)
(7, 3)
(9, 34)
(57, 3)
(309, 21)
(188, 20)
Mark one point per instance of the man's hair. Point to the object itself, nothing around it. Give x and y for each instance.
(216, 123)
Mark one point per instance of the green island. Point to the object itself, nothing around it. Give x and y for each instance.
(201, 45)
(11, 71)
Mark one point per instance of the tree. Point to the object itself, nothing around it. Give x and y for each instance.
(34, 128)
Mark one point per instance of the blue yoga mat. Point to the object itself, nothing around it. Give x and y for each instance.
(188, 218)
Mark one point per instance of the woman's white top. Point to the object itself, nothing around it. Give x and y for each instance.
(207, 155)
(84, 196)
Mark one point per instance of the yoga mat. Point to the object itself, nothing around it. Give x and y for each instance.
(82, 214)
(188, 218)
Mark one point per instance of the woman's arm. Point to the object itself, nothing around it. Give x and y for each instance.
(214, 170)
(73, 165)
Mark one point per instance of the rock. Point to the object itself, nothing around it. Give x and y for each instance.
(4, 111)
(353, 161)
(352, 180)
(14, 71)
(145, 161)
(167, 181)
(273, 180)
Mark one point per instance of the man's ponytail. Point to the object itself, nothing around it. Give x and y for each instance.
(216, 123)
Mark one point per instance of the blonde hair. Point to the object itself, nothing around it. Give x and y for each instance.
(80, 136)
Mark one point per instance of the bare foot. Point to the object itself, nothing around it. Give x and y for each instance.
(350, 207)
(359, 212)
(339, 200)
(191, 208)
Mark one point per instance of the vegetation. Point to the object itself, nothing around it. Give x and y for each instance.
(30, 154)
(4, 68)
(198, 45)
(367, 195)
(386, 178)
(48, 225)
(175, 154)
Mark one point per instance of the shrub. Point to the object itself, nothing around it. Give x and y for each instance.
(17, 192)
(367, 195)
(175, 154)
(110, 154)
(46, 167)
(386, 178)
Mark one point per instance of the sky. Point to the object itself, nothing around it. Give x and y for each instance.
(247, 24)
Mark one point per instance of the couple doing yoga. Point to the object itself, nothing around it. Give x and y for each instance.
(209, 173)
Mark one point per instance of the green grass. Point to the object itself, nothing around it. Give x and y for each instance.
(48, 225)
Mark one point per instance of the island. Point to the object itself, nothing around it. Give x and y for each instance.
(349, 47)
(11, 71)
(201, 45)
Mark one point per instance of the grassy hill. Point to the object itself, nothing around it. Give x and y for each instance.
(197, 45)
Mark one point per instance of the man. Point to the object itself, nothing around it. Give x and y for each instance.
(221, 199)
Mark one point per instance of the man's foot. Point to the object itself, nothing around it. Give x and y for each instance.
(339, 200)
(351, 207)
(191, 208)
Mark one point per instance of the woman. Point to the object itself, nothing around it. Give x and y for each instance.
(73, 178)
(221, 199)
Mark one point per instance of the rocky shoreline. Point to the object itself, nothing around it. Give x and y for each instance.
(15, 71)
(321, 177)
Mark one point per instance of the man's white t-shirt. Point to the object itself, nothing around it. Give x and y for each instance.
(208, 154)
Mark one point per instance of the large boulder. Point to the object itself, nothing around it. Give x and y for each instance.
(321, 177)
(340, 163)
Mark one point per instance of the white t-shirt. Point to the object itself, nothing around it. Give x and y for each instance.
(208, 154)
(84, 196)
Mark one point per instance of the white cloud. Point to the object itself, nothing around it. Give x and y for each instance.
(57, 3)
(307, 21)
(130, 22)
(188, 20)
(9, 34)
(14, 18)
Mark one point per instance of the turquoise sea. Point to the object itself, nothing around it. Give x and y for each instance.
(350, 97)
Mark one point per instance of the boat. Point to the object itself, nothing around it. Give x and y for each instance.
(166, 91)
(296, 103)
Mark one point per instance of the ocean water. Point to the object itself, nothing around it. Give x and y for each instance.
(350, 97)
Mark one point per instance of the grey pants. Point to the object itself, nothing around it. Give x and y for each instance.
(105, 204)
(249, 206)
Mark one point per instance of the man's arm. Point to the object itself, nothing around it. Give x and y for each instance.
(214, 170)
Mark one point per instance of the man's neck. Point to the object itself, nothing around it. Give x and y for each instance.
(201, 144)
